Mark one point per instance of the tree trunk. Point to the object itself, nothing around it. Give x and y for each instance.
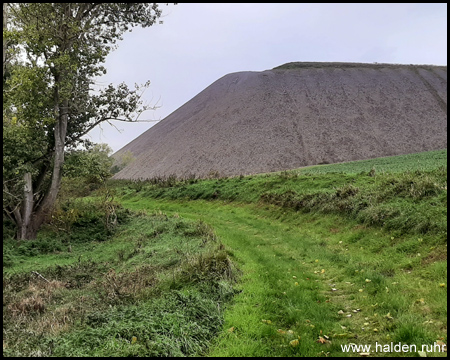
(27, 226)
(29, 232)
(33, 218)
(27, 209)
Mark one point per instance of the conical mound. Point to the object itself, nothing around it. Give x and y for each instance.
(296, 115)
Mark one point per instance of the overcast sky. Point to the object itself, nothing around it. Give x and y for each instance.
(199, 43)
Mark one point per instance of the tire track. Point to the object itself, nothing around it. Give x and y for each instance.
(432, 90)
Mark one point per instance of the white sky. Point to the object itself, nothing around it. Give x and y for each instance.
(199, 43)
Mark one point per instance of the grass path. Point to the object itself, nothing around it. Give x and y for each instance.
(312, 282)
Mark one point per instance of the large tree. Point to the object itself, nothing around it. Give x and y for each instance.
(49, 102)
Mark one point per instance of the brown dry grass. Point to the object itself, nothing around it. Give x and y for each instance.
(35, 298)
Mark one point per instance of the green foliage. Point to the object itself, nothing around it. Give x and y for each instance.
(92, 165)
(121, 161)
(79, 220)
(48, 102)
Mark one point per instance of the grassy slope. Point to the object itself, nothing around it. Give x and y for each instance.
(271, 250)
(157, 287)
(389, 196)
(396, 275)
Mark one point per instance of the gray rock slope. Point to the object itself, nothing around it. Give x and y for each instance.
(296, 115)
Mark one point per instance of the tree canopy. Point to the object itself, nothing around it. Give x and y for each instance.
(52, 54)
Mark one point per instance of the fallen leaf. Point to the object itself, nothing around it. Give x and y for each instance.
(340, 312)
(322, 271)
(322, 340)
(231, 329)
(442, 345)
(422, 353)
(133, 339)
(294, 342)
(281, 331)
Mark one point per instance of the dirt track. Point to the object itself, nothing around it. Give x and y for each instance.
(254, 122)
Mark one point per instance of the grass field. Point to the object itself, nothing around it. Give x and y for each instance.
(295, 263)
(424, 161)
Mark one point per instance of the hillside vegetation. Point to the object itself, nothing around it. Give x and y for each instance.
(404, 193)
(295, 263)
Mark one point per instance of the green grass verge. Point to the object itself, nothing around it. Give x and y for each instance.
(158, 286)
(331, 255)
(393, 288)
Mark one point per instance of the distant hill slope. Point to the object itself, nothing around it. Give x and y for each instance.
(296, 115)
